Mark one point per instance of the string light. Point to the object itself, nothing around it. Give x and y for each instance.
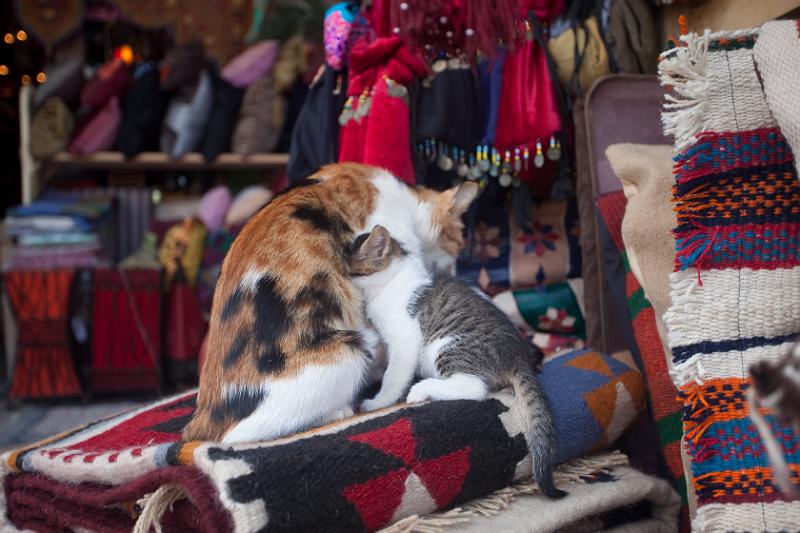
(26, 80)
(8, 38)
(21, 35)
(3, 70)
(124, 52)
(41, 77)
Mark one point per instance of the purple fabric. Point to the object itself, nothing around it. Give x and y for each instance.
(251, 64)
(100, 132)
(213, 206)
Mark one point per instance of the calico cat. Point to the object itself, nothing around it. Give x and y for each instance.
(454, 338)
(285, 349)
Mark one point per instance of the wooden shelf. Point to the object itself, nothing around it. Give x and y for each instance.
(161, 161)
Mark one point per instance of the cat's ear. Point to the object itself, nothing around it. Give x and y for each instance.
(377, 245)
(462, 196)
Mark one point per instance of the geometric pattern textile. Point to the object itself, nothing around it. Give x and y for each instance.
(735, 288)
(367, 471)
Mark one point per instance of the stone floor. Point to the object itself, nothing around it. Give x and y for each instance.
(27, 423)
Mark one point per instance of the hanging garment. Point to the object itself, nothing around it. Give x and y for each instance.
(315, 136)
(43, 364)
(185, 331)
(125, 331)
(447, 114)
(376, 118)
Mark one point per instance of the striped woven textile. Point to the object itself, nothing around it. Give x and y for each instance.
(665, 407)
(735, 288)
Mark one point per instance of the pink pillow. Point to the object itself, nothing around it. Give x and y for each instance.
(100, 132)
(246, 204)
(251, 64)
(213, 206)
(110, 80)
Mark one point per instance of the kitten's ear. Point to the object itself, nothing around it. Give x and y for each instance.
(377, 245)
(462, 196)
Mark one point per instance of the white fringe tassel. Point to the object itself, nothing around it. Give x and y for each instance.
(683, 70)
(154, 506)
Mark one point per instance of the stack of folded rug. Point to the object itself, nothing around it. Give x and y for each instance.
(361, 474)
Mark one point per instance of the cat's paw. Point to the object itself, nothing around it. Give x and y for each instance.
(341, 414)
(372, 405)
(418, 393)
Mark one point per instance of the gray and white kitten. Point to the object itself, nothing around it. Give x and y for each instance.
(455, 339)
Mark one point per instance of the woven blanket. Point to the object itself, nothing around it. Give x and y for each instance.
(777, 54)
(735, 288)
(358, 475)
(503, 255)
(661, 391)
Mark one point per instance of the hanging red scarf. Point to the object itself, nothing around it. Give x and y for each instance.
(375, 120)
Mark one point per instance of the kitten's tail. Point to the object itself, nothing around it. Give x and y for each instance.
(541, 435)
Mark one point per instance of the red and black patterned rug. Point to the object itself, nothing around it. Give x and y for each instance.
(358, 475)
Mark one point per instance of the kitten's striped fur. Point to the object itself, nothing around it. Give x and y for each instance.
(462, 346)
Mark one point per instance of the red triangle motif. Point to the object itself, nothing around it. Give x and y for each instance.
(444, 476)
(377, 499)
(395, 439)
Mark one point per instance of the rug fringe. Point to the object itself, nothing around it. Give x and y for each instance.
(493, 504)
(684, 71)
(154, 506)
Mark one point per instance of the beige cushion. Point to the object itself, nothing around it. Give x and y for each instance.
(646, 175)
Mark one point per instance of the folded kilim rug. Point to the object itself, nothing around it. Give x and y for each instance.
(661, 390)
(361, 474)
(735, 288)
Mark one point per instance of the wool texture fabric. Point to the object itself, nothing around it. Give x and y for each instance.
(736, 281)
(125, 331)
(636, 308)
(250, 65)
(777, 54)
(555, 309)
(646, 175)
(110, 81)
(99, 132)
(610, 499)
(259, 125)
(503, 255)
(43, 365)
(361, 474)
(50, 128)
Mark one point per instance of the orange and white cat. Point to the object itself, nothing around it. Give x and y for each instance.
(285, 345)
